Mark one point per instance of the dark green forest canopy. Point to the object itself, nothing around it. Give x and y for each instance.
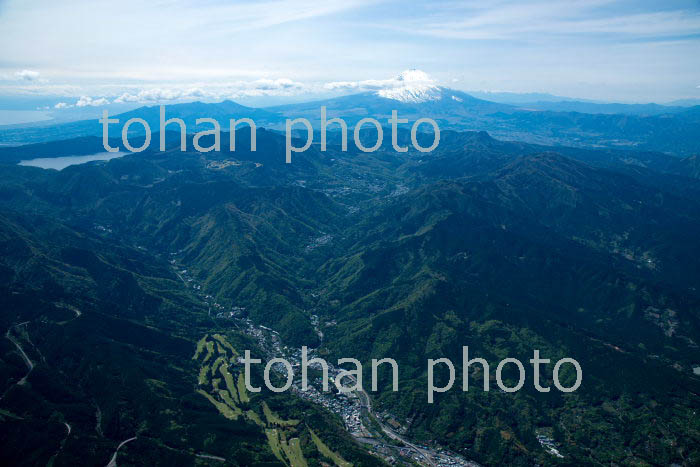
(504, 247)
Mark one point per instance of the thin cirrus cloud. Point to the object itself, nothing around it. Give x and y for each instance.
(535, 20)
(161, 40)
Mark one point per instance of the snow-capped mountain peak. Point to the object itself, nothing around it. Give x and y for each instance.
(411, 86)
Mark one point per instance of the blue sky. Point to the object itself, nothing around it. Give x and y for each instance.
(90, 53)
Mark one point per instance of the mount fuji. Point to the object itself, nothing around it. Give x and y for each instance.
(413, 93)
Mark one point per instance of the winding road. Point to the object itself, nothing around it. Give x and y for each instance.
(113, 461)
(30, 365)
(366, 402)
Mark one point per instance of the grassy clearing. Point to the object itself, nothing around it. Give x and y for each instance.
(225, 410)
(227, 398)
(273, 440)
(210, 351)
(326, 451)
(235, 394)
(242, 392)
(204, 375)
(255, 418)
(294, 454)
(222, 340)
(230, 385)
(200, 347)
(273, 419)
(217, 363)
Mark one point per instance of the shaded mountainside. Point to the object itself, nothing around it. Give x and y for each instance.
(551, 230)
(98, 350)
(505, 266)
(504, 247)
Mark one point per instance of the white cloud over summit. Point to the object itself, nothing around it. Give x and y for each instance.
(408, 86)
(406, 78)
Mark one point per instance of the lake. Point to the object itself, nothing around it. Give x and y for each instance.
(60, 163)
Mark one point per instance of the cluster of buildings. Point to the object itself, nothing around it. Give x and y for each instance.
(549, 445)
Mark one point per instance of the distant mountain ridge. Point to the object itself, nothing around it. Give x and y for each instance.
(544, 101)
(673, 132)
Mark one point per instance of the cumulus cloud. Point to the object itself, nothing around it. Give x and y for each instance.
(276, 84)
(62, 105)
(86, 101)
(234, 90)
(412, 78)
(157, 95)
(342, 85)
(27, 75)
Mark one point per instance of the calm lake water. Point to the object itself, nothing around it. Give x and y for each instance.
(60, 163)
